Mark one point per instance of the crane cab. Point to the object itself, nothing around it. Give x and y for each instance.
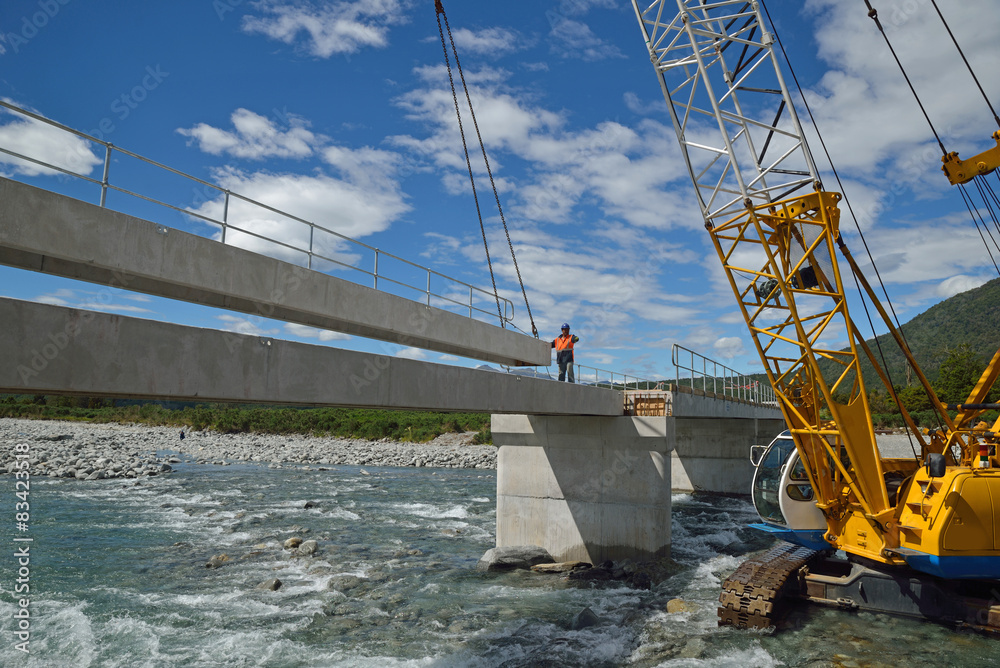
(783, 497)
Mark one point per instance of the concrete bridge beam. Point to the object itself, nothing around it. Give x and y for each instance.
(59, 350)
(51, 233)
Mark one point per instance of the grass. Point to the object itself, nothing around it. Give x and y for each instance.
(371, 424)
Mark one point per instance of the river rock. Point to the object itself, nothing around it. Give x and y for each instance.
(585, 618)
(217, 561)
(676, 605)
(292, 543)
(561, 567)
(344, 583)
(514, 557)
(307, 548)
(274, 584)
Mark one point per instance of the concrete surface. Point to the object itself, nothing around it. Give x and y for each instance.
(54, 349)
(51, 233)
(584, 488)
(712, 454)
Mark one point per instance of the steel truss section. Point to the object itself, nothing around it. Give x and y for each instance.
(715, 64)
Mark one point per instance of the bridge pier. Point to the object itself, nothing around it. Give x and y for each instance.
(584, 488)
(596, 488)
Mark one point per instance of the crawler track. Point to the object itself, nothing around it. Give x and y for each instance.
(749, 596)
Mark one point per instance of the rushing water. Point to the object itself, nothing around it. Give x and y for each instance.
(118, 578)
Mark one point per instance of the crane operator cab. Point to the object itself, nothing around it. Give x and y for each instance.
(783, 497)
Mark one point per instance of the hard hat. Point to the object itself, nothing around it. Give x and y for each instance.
(565, 325)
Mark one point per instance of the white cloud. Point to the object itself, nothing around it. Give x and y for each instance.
(245, 325)
(306, 332)
(412, 353)
(331, 28)
(488, 41)
(255, 136)
(43, 142)
(93, 300)
(574, 39)
(365, 201)
(865, 104)
(958, 284)
(630, 173)
(729, 347)
(635, 104)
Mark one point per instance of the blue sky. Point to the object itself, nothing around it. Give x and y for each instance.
(340, 113)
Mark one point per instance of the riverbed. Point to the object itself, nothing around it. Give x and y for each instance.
(119, 577)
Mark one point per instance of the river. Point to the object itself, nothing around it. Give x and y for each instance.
(119, 578)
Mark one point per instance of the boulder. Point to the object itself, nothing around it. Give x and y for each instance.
(307, 548)
(514, 557)
(292, 543)
(585, 618)
(273, 584)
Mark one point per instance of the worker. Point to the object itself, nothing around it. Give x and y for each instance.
(564, 352)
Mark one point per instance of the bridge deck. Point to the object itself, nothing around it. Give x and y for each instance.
(54, 349)
(51, 233)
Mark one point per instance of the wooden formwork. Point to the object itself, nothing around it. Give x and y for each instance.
(649, 403)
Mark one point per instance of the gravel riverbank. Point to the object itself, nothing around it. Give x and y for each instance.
(97, 451)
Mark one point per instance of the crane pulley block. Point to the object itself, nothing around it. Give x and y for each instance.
(961, 171)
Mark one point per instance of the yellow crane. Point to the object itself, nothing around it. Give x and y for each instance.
(910, 536)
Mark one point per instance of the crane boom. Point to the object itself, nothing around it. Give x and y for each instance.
(748, 159)
(776, 231)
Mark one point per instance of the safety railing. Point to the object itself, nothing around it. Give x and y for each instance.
(421, 282)
(700, 372)
(589, 375)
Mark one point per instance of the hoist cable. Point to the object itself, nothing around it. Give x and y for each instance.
(439, 10)
(873, 13)
(989, 189)
(961, 53)
(993, 215)
(861, 234)
(468, 162)
(973, 213)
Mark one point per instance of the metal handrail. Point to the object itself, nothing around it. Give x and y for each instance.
(612, 380)
(724, 381)
(507, 306)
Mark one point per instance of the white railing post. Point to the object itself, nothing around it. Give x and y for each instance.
(107, 169)
(225, 215)
(312, 232)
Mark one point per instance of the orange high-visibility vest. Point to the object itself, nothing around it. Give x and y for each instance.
(564, 342)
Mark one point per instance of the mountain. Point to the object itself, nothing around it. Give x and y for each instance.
(971, 317)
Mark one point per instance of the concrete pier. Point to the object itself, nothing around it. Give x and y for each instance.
(713, 454)
(584, 488)
(597, 488)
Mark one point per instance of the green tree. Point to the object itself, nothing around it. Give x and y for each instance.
(914, 398)
(959, 374)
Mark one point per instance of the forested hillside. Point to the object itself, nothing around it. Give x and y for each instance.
(971, 318)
